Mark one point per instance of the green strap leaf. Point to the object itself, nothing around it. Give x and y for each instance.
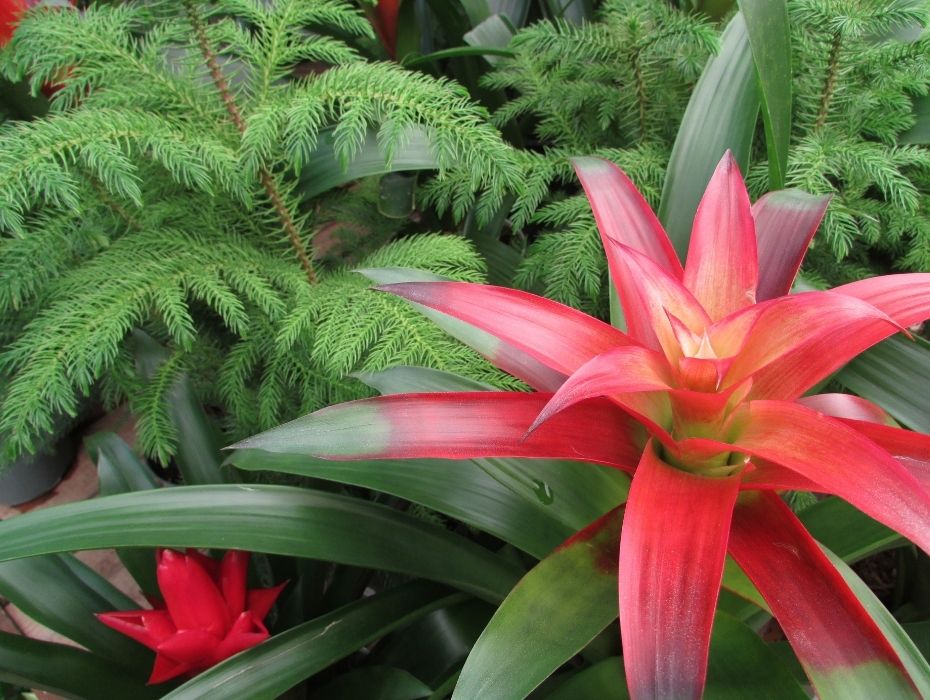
(269, 669)
(459, 489)
(323, 170)
(770, 41)
(555, 610)
(894, 375)
(721, 115)
(271, 519)
(378, 683)
(63, 594)
(65, 671)
(847, 531)
(493, 31)
(121, 471)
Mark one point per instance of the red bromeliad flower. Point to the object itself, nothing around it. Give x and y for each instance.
(702, 401)
(208, 615)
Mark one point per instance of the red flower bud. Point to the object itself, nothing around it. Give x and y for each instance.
(208, 615)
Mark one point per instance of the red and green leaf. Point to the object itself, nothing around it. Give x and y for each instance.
(672, 552)
(843, 651)
(457, 426)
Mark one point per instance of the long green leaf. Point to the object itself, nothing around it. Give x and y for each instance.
(721, 115)
(555, 610)
(847, 531)
(65, 671)
(770, 41)
(323, 171)
(894, 374)
(121, 471)
(272, 519)
(916, 665)
(63, 594)
(459, 489)
(269, 669)
(378, 683)
(492, 31)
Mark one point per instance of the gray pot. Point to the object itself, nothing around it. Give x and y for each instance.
(32, 475)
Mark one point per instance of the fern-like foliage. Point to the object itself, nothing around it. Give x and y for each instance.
(857, 68)
(156, 195)
(615, 88)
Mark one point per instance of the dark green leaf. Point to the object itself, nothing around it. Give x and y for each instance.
(63, 594)
(459, 489)
(271, 519)
(323, 171)
(770, 41)
(377, 683)
(493, 31)
(121, 471)
(411, 61)
(894, 374)
(65, 671)
(555, 610)
(721, 115)
(436, 646)
(267, 670)
(848, 532)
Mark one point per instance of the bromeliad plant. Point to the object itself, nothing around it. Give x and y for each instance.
(702, 401)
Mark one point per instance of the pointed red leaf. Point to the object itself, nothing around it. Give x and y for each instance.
(458, 426)
(166, 668)
(672, 551)
(906, 298)
(840, 459)
(614, 373)
(911, 450)
(625, 220)
(260, 600)
(658, 307)
(233, 573)
(193, 646)
(558, 336)
(192, 598)
(847, 406)
(722, 270)
(148, 627)
(245, 634)
(841, 648)
(623, 215)
(786, 221)
(800, 339)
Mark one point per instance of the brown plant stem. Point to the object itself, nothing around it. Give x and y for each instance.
(829, 83)
(265, 176)
(640, 96)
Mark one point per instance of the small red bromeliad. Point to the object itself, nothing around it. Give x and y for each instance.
(702, 400)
